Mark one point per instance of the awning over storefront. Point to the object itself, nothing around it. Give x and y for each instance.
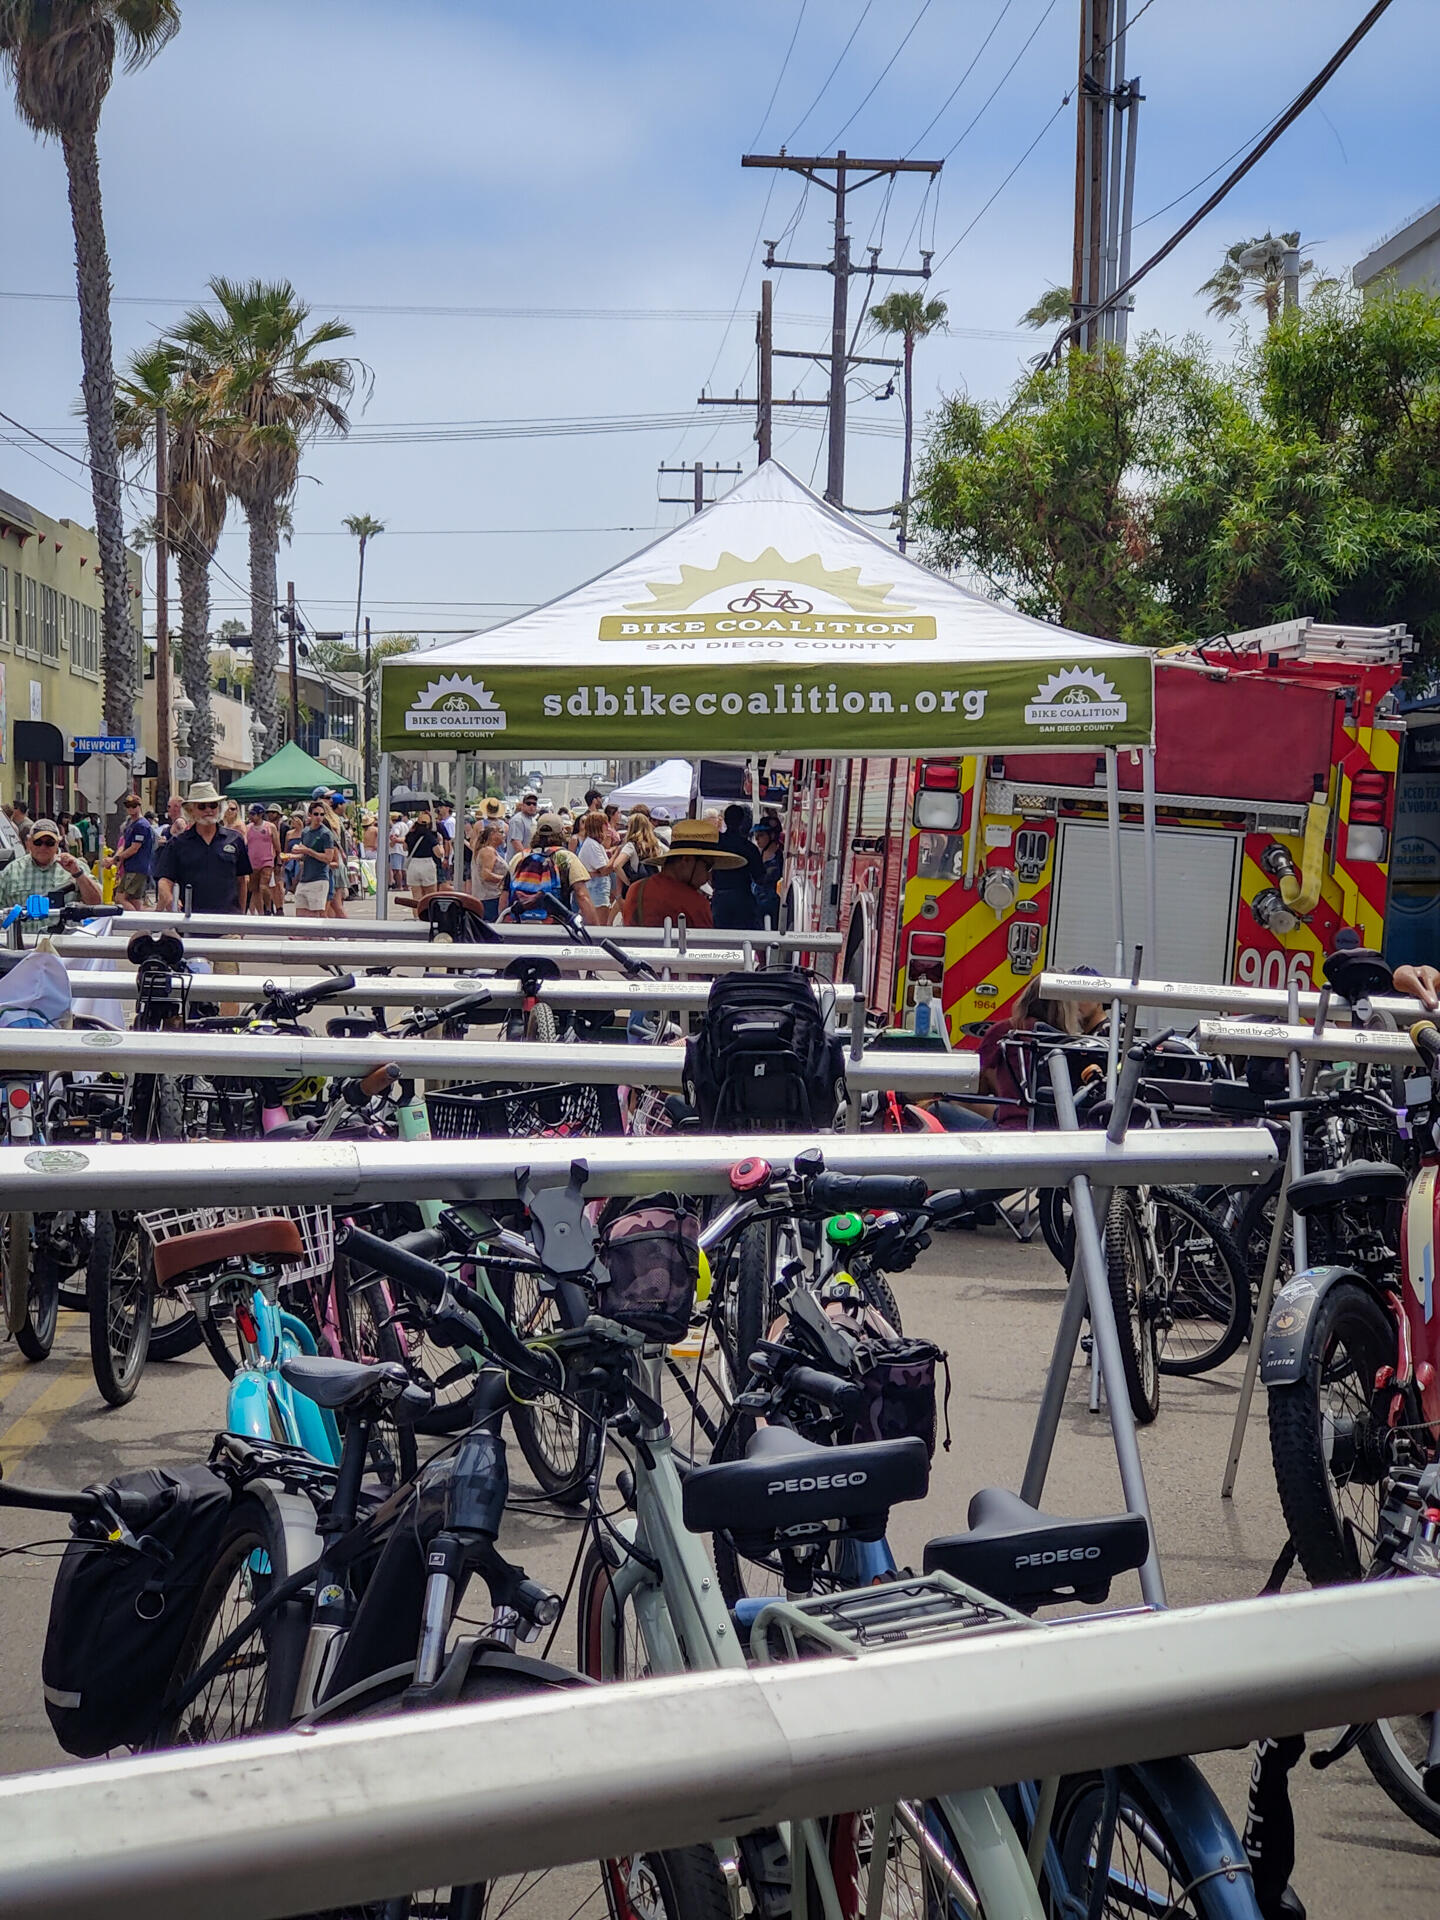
(770, 621)
(38, 740)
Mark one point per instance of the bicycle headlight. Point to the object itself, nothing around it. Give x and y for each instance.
(702, 1285)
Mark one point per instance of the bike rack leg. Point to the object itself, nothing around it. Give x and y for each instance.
(857, 1052)
(1057, 1380)
(1301, 1087)
(1090, 1258)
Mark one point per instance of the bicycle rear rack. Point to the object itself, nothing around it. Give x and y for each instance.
(910, 1610)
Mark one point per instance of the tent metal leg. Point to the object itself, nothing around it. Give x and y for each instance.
(1152, 860)
(382, 842)
(1117, 905)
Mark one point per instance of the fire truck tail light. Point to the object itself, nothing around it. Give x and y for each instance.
(1368, 794)
(937, 801)
(927, 946)
(1364, 842)
(937, 777)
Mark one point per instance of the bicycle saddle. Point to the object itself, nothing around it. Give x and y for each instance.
(1356, 973)
(348, 1383)
(270, 1237)
(786, 1481)
(1015, 1553)
(1345, 1186)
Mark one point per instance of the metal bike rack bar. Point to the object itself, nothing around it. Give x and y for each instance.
(1089, 1284)
(1310, 1043)
(291, 1057)
(389, 990)
(215, 925)
(425, 954)
(1193, 996)
(356, 1812)
(228, 1173)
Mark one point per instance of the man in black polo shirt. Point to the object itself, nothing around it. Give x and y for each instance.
(208, 859)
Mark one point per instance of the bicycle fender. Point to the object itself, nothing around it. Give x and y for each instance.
(247, 1409)
(293, 1518)
(1214, 1857)
(1285, 1352)
(993, 1860)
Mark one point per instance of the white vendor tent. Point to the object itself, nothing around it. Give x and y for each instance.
(669, 785)
(768, 622)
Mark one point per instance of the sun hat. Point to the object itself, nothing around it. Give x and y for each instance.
(699, 840)
(494, 809)
(202, 790)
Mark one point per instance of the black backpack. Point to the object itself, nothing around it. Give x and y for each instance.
(119, 1614)
(762, 1061)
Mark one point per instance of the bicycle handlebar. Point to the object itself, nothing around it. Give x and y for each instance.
(1425, 1038)
(854, 1192)
(840, 1397)
(462, 1009)
(437, 1287)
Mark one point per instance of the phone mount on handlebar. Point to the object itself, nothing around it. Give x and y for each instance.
(564, 1239)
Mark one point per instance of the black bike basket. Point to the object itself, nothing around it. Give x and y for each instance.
(491, 1112)
(119, 1615)
(650, 1265)
(898, 1378)
(762, 1060)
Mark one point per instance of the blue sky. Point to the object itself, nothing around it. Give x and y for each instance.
(568, 156)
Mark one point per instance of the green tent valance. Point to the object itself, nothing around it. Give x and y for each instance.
(290, 774)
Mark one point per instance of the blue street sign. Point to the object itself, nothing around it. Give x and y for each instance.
(121, 743)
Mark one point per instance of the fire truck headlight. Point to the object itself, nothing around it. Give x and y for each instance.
(1364, 842)
(1272, 913)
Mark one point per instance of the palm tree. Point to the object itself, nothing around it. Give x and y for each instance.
(365, 527)
(1052, 309)
(913, 317)
(60, 55)
(1228, 284)
(265, 367)
(196, 506)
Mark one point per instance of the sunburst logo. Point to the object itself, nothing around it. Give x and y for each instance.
(1075, 697)
(455, 703)
(766, 578)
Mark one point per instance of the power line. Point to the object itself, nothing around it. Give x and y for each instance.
(784, 68)
(864, 15)
(701, 314)
(835, 138)
(967, 231)
(999, 84)
(444, 533)
(1262, 146)
(964, 76)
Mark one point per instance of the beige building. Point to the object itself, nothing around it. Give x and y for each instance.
(50, 636)
(1409, 257)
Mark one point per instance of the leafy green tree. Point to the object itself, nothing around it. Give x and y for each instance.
(196, 508)
(60, 56)
(1167, 497)
(1260, 281)
(1052, 309)
(913, 317)
(277, 387)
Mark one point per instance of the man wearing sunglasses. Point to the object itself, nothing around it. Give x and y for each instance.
(46, 866)
(207, 860)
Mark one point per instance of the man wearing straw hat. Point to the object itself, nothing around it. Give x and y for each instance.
(686, 865)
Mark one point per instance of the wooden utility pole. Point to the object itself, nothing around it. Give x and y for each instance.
(164, 768)
(696, 475)
(294, 661)
(765, 364)
(369, 734)
(839, 359)
(1107, 110)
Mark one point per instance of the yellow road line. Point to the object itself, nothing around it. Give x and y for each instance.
(39, 1417)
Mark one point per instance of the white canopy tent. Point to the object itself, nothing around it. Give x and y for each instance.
(771, 622)
(669, 785)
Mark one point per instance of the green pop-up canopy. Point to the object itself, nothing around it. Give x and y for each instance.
(290, 774)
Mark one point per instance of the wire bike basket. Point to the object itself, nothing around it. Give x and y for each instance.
(316, 1226)
(487, 1112)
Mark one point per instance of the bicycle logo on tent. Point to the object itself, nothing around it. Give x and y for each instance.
(770, 600)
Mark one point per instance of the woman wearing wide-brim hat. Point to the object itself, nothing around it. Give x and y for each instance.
(686, 865)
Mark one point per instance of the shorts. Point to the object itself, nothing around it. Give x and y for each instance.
(421, 873)
(311, 896)
(132, 886)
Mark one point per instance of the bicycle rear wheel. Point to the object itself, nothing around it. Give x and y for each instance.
(1132, 1292)
(1152, 1864)
(120, 1287)
(35, 1274)
(559, 1433)
(1203, 1309)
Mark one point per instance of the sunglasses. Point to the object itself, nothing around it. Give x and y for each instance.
(133, 803)
(205, 806)
(42, 840)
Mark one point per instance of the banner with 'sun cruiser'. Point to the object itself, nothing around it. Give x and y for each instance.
(768, 623)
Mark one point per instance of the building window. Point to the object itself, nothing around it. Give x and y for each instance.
(4, 606)
(84, 639)
(30, 640)
(49, 626)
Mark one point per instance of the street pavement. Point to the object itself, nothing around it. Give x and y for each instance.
(993, 1305)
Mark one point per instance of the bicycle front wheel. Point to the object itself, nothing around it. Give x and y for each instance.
(1133, 1293)
(1203, 1309)
(120, 1288)
(559, 1433)
(1148, 1861)
(36, 1278)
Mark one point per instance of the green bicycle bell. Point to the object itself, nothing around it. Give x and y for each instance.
(844, 1229)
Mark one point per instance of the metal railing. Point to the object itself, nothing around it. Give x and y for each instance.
(1348, 1043)
(289, 1056)
(294, 1172)
(431, 955)
(299, 1822)
(216, 925)
(1193, 996)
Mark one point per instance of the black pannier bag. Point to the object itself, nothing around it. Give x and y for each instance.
(650, 1264)
(762, 1061)
(119, 1614)
(898, 1380)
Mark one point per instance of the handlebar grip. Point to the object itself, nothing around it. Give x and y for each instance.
(432, 1283)
(954, 1202)
(328, 990)
(826, 1389)
(462, 1008)
(1425, 1038)
(853, 1192)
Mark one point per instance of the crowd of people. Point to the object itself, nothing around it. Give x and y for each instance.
(635, 867)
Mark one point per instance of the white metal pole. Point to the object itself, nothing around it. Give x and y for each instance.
(382, 842)
(1117, 904)
(1152, 861)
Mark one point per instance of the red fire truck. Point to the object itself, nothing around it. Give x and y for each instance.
(956, 880)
